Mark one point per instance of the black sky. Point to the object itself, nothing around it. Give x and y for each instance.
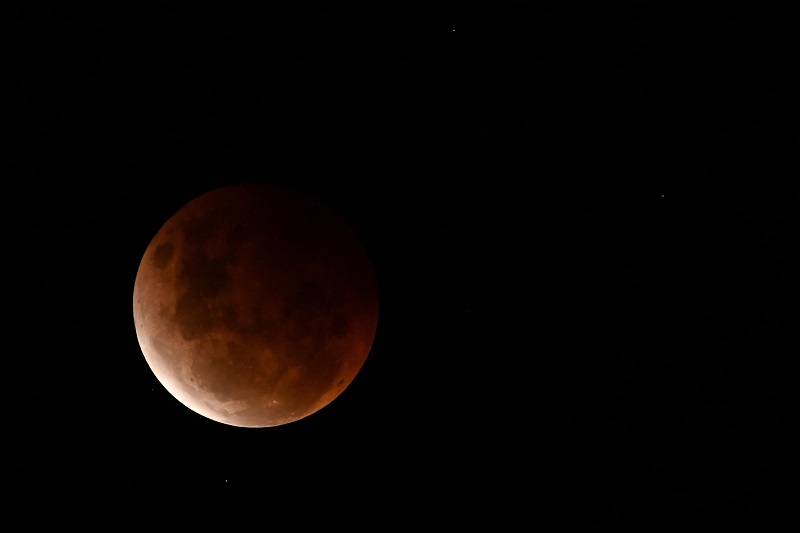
(587, 298)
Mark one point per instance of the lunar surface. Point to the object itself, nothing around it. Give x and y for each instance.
(255, 305)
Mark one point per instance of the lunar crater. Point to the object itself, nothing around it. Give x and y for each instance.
(162, 254)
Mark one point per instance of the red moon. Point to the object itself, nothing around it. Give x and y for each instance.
(255, 305)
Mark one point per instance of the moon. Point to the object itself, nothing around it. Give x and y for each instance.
(255, 305)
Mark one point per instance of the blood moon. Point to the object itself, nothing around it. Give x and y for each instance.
(255, 305)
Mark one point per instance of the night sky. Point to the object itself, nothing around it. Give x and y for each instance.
(587, 299)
